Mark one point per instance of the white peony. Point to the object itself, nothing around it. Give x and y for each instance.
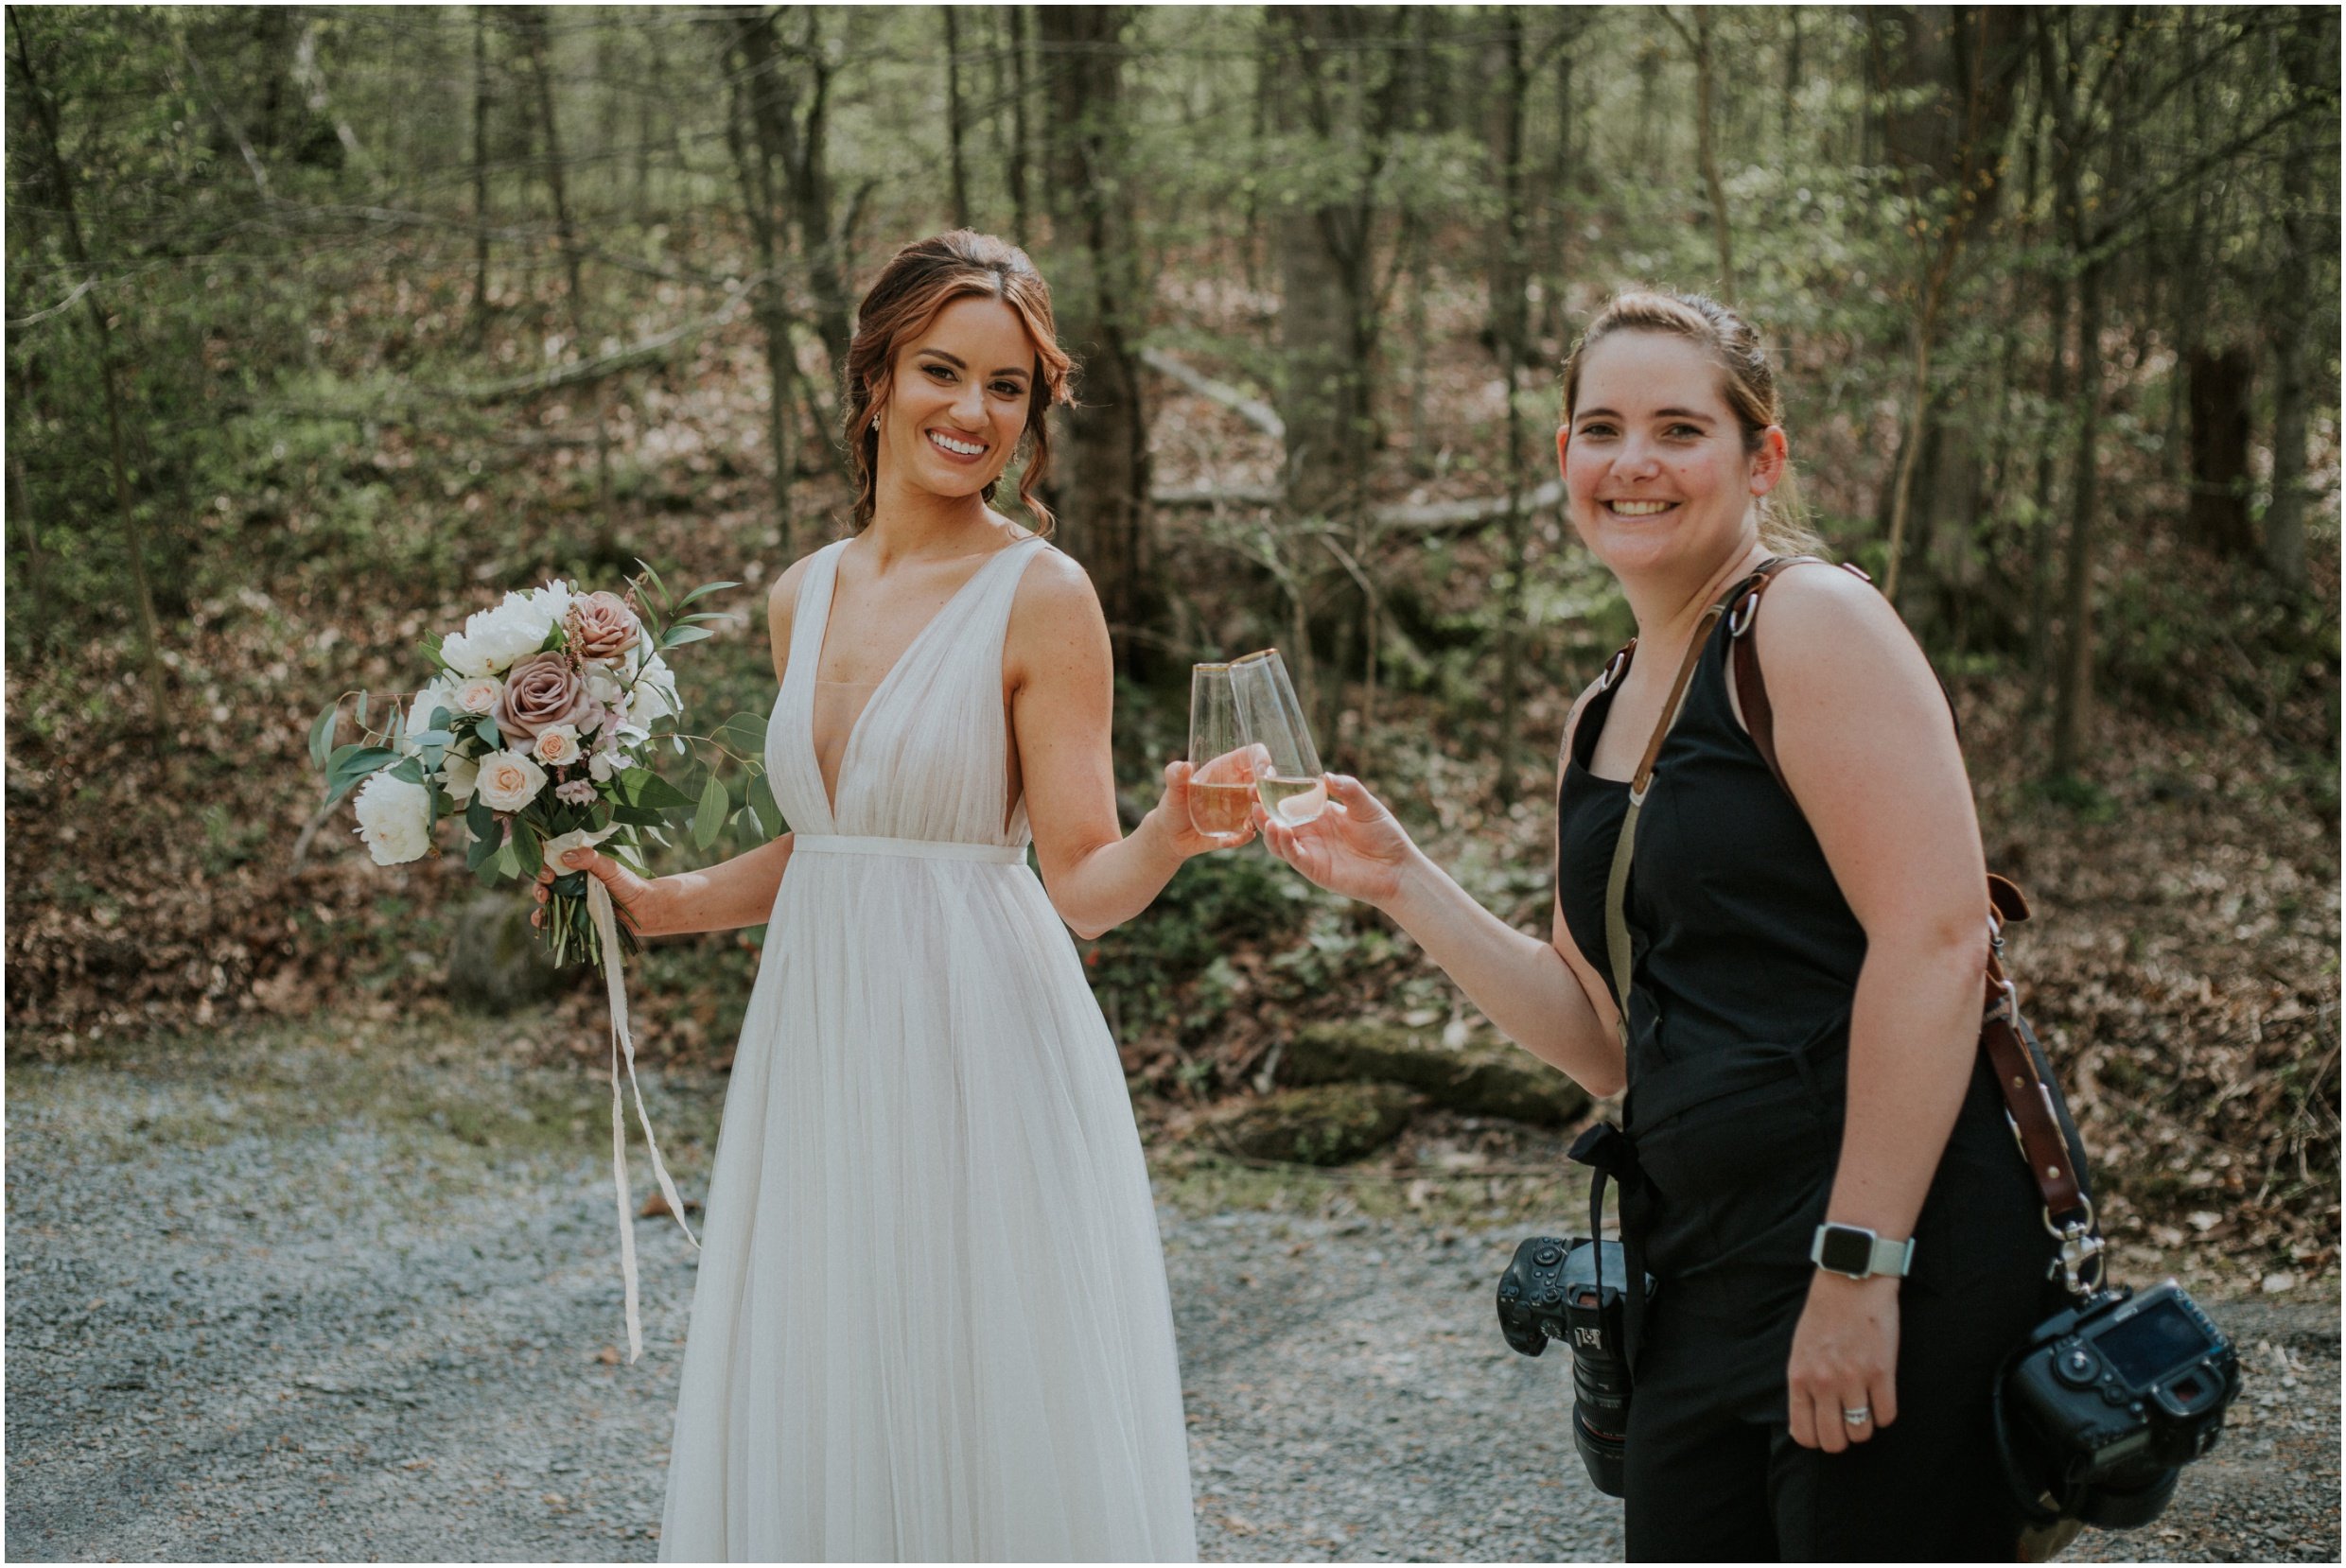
(601, 688)
(509, 781)
(394, 819)
(493, 639)
(654, 695)
(556, 745)
(434, 697)
(458, 776)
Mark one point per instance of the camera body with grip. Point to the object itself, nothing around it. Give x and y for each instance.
(2108, 1400)
(1574, 1290)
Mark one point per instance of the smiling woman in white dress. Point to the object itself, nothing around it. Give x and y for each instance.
(931, 1320)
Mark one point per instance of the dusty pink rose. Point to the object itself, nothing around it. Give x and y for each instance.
(602, 626)
(541, 692)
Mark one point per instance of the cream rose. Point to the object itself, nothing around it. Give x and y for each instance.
(556, 745)
(479, 694)
(509, 781)
(394, 819)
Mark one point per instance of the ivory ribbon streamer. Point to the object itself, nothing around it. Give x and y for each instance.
(623, 1045)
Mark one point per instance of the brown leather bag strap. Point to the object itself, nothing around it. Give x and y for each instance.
(2029, 1099)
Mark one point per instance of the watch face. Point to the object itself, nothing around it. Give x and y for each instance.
(1846, 1251)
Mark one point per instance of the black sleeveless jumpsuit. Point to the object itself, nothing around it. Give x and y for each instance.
(1745, 963)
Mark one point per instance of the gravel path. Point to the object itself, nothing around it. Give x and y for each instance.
(351, 1301)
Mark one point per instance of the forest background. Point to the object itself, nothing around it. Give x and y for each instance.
(327, 326)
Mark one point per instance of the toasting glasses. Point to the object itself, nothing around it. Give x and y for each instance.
(1287, 774)
(1222, 788)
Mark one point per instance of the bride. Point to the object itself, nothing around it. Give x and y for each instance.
(931, 1319)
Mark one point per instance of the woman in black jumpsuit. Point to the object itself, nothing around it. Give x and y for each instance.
(1807, 981)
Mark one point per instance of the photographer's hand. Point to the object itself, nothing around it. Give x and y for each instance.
(1844, 1359)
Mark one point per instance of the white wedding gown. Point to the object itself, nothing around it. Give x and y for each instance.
(931, 1320)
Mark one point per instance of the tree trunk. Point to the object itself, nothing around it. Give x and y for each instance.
(1792, 82)
(480, 312)
(1706, 153)
(954, 129)
(1506, 70)
(755, 100)
(2218, 516)
(1020, 141)
(1102, 296)
(133, 536)
(2312, 60)
(530, 20)
(2073, 715)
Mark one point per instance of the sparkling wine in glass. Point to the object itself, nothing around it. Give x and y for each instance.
(1290, 781)
(1222, 788)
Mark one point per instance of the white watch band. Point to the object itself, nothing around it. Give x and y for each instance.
(1883, 1256)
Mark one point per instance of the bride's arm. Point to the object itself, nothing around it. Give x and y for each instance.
(1060, 674)
(724, 897)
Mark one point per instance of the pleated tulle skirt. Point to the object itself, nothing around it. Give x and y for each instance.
(931, 1319)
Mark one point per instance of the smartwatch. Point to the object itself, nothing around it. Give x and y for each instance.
(1853, 1250)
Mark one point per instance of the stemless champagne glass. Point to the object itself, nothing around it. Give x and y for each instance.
(1221, 791)
(1290, 780)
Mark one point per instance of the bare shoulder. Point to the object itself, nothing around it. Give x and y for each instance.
(1053, 584)
(782, 605)
(1056, 625)
(1817, 620)
(1838, 661)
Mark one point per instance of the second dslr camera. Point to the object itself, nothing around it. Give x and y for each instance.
(1575, 1290)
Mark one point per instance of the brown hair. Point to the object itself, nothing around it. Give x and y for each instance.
(1748, 384)
(919, 281)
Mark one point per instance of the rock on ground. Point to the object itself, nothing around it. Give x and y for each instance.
(339, 1301)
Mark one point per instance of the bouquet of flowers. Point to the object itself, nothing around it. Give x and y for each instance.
(537, 728)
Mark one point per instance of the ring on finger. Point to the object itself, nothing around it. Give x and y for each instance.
(1859, 1415)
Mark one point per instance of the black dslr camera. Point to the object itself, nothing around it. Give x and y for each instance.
(2106, 1403)
(1575, 1291)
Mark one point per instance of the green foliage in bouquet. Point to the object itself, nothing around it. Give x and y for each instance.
(538, 730)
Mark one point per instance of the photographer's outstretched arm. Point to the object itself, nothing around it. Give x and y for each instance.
(1869, 751)
(1524, 986)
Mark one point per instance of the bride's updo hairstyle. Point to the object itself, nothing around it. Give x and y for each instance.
(919, 281)
(1747, 381)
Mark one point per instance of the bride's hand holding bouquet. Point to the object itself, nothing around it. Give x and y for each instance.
(537, 727)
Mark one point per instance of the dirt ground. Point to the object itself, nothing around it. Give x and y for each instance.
(351, 1295)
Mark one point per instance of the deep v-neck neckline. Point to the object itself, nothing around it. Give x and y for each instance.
(888, 681)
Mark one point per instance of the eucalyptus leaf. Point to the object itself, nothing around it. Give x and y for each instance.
(763, 807)
(703, 590)
(676, 637)
(708, 818)
(529, 850)
(321, 733)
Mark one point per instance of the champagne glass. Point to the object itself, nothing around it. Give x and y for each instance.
(1290, 780)
(1222, 789)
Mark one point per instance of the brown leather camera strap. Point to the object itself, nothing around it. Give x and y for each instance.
(2027, 1096)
